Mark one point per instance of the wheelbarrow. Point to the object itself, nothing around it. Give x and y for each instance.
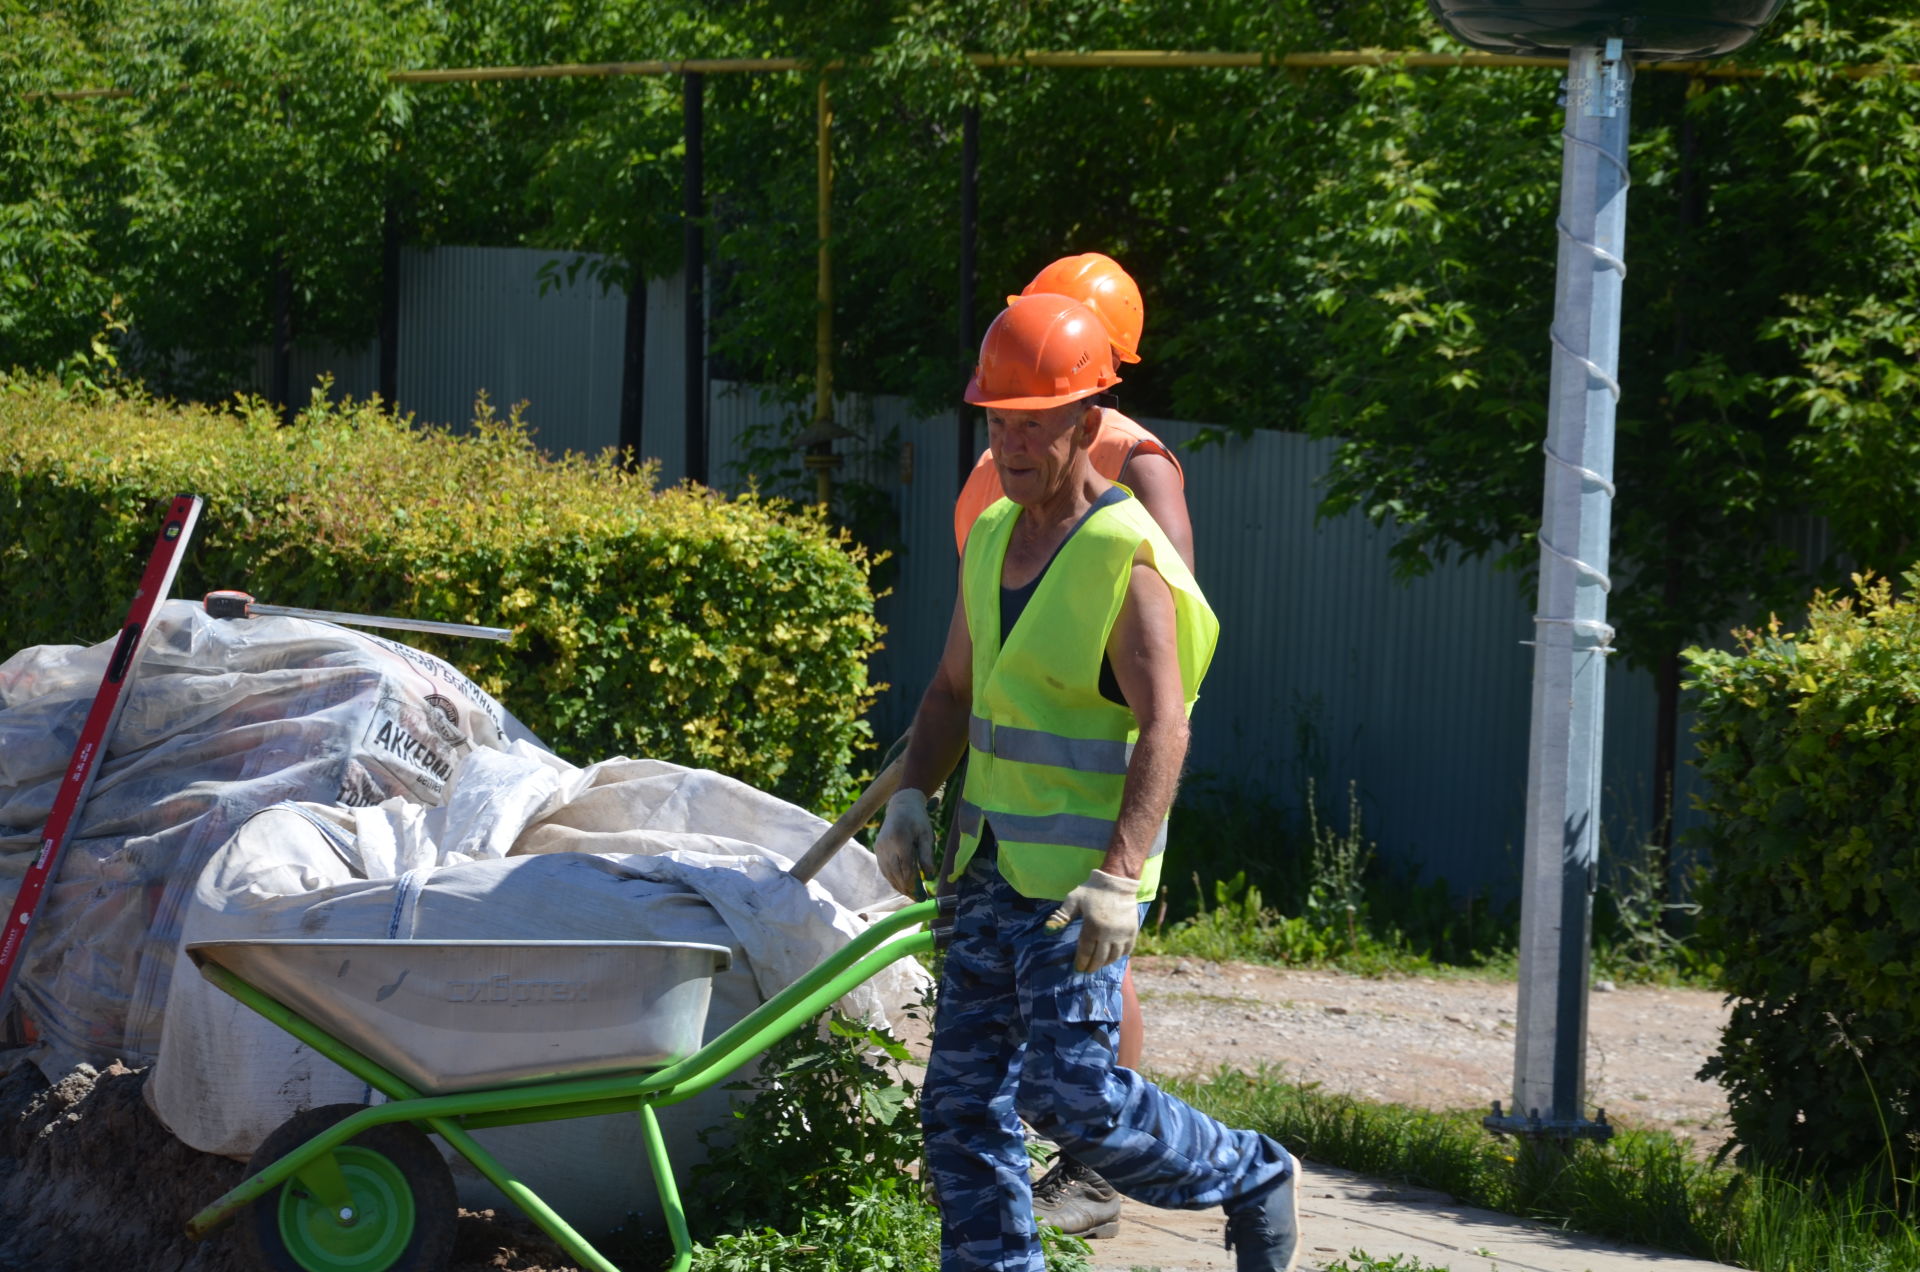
(464, 1035)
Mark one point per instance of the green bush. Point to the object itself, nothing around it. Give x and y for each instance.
(731, 634)
(1810, 746)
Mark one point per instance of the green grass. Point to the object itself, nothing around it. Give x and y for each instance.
(1291, 888)
(1360, 1261)
(1240, 926)
(1643, 1187)
(886, 1228)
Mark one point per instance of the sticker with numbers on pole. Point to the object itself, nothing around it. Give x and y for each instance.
(168, 549)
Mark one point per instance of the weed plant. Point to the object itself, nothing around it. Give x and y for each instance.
(827, 1120)
(880, 1228)
(1643, 915)
(1270, 886)
(1644, 1187)
(1272, 890)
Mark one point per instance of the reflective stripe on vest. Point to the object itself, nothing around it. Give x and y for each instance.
(1048, 757)
(1031, 746)
(1068, 830)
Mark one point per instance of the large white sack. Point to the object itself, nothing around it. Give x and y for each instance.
(222, 718)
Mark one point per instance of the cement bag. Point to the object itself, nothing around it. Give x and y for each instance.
(226, 1076)
(222, 719)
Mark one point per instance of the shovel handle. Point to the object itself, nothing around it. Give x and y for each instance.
(871, 801)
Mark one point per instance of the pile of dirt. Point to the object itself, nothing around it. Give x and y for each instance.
(90, 1180)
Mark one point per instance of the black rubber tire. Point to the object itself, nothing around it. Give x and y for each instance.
(412, 1153)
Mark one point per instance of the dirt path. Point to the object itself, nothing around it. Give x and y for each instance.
(1440, 1043)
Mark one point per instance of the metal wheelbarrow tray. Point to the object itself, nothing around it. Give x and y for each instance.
(458, 1015)
(464, 1035)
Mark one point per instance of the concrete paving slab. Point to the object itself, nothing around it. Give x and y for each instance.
(1341, 1212)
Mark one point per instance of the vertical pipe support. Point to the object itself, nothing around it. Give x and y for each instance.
(281, 389)
(1572, 636)
(820, 457)
(281, 386)
(633, 369)
(693, 245)
(390, 304)
(969, 218)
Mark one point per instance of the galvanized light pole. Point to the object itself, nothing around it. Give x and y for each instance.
(1571, 636)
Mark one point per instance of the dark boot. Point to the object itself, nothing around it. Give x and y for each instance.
(1077, 1201)
(1263, 1229)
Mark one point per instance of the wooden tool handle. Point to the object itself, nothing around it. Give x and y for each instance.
(864, 809)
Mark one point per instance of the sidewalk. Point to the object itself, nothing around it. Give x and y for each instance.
(1341, 1212)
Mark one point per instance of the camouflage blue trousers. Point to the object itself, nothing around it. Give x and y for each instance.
(1019, 1034)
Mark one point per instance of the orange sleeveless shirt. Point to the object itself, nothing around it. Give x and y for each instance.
(1118, 441)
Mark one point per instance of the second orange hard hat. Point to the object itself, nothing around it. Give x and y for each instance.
(1045, 351)
(1098, 282)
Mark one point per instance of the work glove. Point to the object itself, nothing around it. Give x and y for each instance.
(905, 845)
(1109, 913)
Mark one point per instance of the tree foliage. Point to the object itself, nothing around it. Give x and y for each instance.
(1762, 342)
(1365, 254)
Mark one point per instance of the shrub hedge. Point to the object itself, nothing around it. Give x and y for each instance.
(731, 634)
(1810, 746)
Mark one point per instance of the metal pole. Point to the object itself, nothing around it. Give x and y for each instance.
(1572, 637)
(390, 303)
(282, 384)
(633, 368)
(820, 457)
(969, 216)
(694, 264)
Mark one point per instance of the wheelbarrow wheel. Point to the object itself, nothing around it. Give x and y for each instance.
(403, 1202)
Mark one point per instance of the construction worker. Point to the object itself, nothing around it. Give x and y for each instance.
(1071, 1195)
(1123, 451)
(1075, 652)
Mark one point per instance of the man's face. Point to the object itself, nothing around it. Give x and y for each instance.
(1035, 449)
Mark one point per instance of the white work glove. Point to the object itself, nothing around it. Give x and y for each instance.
(1109, 913)
(905, 845)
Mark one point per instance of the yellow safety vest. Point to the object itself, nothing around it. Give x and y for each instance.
(1047, 757)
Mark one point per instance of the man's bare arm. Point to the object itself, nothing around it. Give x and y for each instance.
(1155, 482)
(940, 723)
(1145, 652)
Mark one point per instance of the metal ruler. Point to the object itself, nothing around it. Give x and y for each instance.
(164, 562)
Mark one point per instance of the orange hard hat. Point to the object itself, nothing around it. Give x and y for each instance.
(1099, 283)
(1045, 351)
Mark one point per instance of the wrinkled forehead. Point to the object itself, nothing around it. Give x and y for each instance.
(1057, 418)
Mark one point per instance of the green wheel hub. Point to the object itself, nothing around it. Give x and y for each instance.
(382, 1220)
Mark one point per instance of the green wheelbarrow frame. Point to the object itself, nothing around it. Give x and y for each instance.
(452, 1117)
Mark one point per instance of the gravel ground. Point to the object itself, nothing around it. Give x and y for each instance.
(1432, 1042)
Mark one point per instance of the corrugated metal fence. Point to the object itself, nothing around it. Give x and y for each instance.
(1327, 668)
